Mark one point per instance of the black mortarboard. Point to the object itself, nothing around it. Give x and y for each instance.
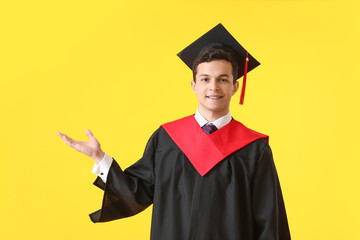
(219, 35)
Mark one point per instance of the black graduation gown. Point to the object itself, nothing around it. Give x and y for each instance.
(238, 198)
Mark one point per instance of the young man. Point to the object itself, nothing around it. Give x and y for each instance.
(207, 175)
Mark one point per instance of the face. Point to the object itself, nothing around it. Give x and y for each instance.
(214, 88)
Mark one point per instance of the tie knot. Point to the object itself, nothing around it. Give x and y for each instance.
(209, 128)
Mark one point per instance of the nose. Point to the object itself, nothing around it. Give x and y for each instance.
(214, 85)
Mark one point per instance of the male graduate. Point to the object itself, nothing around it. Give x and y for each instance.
(207, 175)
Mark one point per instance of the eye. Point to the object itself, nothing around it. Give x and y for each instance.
(204, 79)
(223, 80)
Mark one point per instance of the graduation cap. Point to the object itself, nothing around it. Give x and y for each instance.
(221, 37)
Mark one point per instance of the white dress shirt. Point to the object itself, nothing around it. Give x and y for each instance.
(102, 169)
(219, 123)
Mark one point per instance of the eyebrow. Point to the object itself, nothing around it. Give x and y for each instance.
(207, 75)
(224, 75)
(204, 74)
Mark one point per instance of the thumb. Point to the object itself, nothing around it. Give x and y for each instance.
(89, 133)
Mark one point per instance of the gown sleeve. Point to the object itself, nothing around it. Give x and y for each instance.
(128, 192)
(269, 213)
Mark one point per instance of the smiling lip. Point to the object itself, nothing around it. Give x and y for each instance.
(214, 97)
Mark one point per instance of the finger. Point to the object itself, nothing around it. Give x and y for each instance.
(75, 144)
(69, 141)
(89, 133)
(61, 135)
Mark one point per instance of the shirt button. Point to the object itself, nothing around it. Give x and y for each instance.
(101, 173)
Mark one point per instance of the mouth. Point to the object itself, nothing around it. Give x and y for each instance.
(214, 97)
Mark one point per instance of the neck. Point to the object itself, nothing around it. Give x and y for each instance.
(212, 116)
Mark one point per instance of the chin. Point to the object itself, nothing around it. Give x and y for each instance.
(216, 110)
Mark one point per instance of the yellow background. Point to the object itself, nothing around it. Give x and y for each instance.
(111, 66)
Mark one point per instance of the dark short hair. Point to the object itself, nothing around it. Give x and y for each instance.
(216, 52)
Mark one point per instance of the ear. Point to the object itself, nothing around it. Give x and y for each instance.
(236, 87)
(193, 86)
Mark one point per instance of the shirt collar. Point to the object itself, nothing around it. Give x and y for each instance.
(219, 123)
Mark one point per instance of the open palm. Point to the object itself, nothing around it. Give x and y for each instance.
(90, 148)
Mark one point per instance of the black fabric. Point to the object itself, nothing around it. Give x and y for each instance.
(240, 198)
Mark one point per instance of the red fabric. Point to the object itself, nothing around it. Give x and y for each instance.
(205, 151)
(244, 80)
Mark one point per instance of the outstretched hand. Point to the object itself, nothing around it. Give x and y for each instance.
(90, 148)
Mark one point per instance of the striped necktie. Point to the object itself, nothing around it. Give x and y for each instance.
(209, 128)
